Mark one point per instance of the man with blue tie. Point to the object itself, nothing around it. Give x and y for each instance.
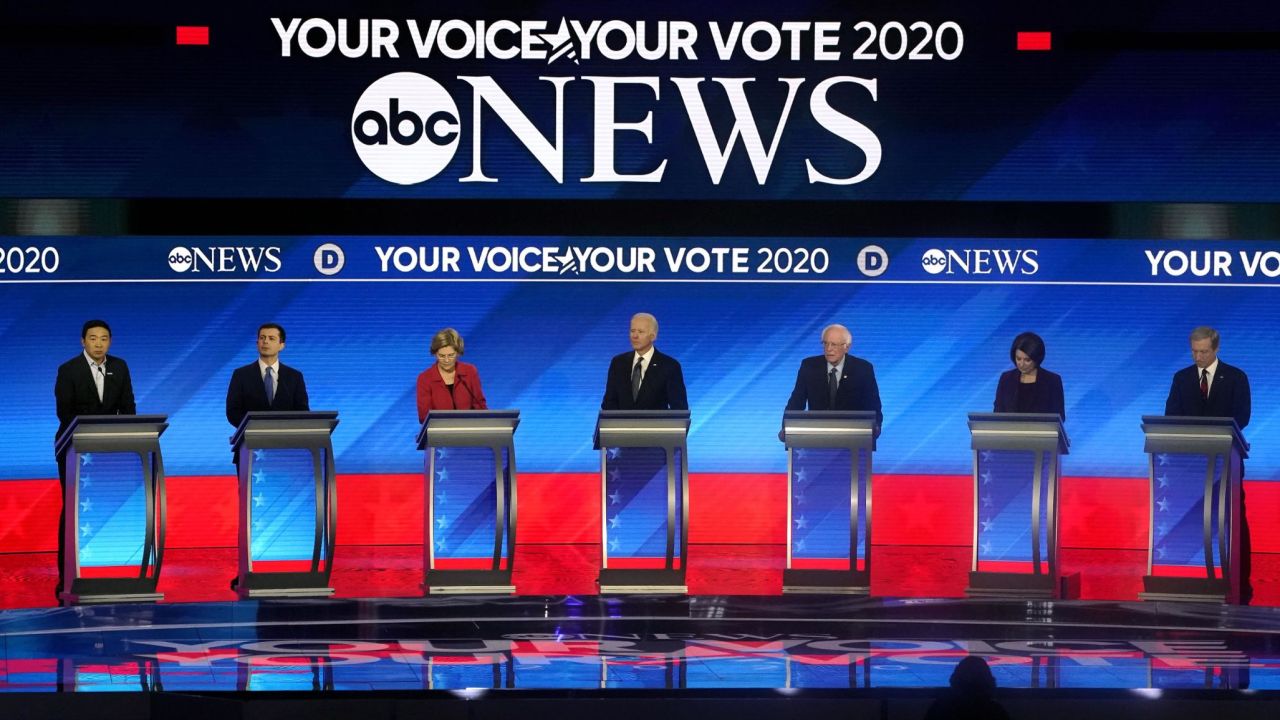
(836, 380)
(91, 383)
(266, 384)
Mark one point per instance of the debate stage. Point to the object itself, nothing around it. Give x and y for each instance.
(584, 656)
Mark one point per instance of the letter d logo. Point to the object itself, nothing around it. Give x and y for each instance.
(329, 259)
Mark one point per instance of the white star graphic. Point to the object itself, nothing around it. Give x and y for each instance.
(1162, 459)
(1160, 552)
(986, 454)
(441, 545)
(800, 453)
(799, 499)
(986, 478)
(1162, 529)
(614, 522)
(614, 544)
(442, 522)
(85, 529)
(441, 453)
(986, 548)
(615, 497)
(800, 475)
(86, 459)
(801, 523)
(259, 477)
(799, 545)
(614, 453)
(86, 505)
(258, 500)
(986, 501)
(1162, 481)
(442, 498)
(442, 475)
(987, 525)
(1163, 504)
(85, 481)
(258, 455)
(615, 474)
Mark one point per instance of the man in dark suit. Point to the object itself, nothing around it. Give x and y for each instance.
(91, 383)
(266, 384)
(836, 380)
(644, 379)
(1212, 388)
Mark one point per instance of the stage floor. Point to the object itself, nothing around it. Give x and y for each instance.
(564, 643)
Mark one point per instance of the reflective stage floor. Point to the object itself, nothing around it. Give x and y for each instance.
(472, 644)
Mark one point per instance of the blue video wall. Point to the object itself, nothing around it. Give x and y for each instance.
(935, 317)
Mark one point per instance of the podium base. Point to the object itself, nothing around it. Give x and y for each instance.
(1184, 589)
(826, 582)
(282, 585)
(1022, 585)
(72, 598)
(642, 582)
(467, 582)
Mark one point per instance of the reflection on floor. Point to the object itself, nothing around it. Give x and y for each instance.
(576, 642)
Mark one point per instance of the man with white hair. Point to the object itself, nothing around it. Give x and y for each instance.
(644, 379)
(836, 380)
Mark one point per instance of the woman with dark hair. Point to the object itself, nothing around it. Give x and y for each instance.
(1029, 388)
(450, 384)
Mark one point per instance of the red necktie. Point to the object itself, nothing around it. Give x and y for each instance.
(1204, 383)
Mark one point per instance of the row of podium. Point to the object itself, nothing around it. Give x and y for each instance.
(114, 494)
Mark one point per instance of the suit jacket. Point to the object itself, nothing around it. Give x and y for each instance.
(246, 392)
(433, 394)
(1228, 394)
(661, 389)
(1046, 393)
(76, 393)
(857, 389)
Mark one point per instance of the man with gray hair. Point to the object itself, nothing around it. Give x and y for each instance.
(836, 380)
(644, 379)
(1212, 388)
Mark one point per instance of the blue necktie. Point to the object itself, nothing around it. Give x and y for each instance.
(271, 387)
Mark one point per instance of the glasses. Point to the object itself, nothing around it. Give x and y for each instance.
(446, 358)
(835, 344)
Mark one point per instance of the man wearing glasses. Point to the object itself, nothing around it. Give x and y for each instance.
(836, 380)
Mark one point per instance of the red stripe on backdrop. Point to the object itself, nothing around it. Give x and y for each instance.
(564, 508)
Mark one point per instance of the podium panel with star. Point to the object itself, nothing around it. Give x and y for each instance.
(1195, 469)
(114, 497)
(469, 474)
(1017, 465)
(288, 504)
(644, 477)
(829, 506)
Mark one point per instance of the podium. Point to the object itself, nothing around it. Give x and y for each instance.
(288, 504)
(1195, 465)
(115, 508)
(828, 501)
(644, 500)
(470, 500)
(1017, 463)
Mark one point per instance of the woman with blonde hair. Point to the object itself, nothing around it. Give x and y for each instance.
(449, 384)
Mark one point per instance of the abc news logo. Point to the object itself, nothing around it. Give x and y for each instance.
(226, 259)
(981, 261)
(405, 128)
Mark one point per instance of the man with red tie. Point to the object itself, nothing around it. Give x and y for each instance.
(1212, 388)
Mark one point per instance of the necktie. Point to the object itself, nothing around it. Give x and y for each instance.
(832, 384)
(1204, 383)
(635, 378)
(101, 382)
(270, 384)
